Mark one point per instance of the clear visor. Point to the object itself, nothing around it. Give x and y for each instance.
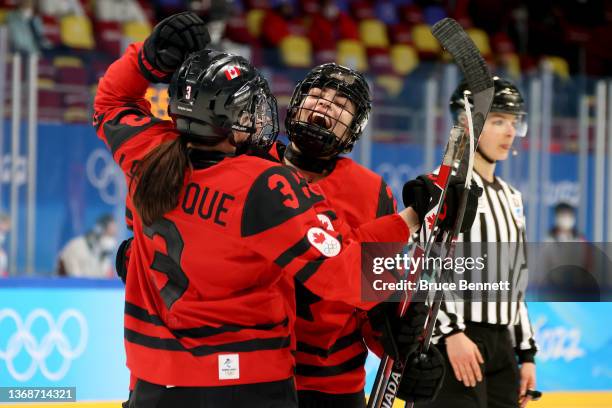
(517, 121)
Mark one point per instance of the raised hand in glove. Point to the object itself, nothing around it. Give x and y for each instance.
(422, 195)
(399, 334)
(423, 376)
(171, 41)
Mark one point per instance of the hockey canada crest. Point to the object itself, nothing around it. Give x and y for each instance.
(324, 242)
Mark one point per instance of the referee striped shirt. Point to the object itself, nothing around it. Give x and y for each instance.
(499, 219)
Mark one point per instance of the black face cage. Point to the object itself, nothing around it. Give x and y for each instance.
(256, 113)
(321, 125)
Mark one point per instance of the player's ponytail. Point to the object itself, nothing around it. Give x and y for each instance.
(159, 179)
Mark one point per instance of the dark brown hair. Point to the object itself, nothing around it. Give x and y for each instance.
(159, 179)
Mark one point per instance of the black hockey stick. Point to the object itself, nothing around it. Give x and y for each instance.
(390, 371)
(465, 53)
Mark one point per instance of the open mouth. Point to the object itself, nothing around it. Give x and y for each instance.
(318, 119)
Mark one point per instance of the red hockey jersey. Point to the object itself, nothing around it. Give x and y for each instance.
(209, 292)
(330, 351)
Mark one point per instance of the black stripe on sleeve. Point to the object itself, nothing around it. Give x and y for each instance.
(274, 343)
(207, 331)
(312, 267)
(309, 269)
(299, 248)
(198, 332)
(354, 363)
(128, 123)
(340, 344)
(141, 314)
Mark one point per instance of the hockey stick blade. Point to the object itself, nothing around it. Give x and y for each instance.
(460, 46)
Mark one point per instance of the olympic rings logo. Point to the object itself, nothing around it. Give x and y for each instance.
(106, 176)
(397, 175)
(55, 338)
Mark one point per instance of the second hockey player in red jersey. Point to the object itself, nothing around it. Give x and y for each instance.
(327, 114)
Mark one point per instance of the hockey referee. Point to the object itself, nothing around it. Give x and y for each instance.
(488, 341)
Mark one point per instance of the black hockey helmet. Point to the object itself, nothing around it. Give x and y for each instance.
(506, 99)
(214, 93)
(315, 136)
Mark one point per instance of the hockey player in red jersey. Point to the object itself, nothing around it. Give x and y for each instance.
(219, 238)
(328, 111)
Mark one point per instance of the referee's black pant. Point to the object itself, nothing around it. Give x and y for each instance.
(277, 394)
(500, 385)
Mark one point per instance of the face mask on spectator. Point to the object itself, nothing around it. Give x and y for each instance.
(565, 221)
(107, 244)
(330, 11)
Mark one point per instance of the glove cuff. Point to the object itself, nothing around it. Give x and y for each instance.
(147, 69)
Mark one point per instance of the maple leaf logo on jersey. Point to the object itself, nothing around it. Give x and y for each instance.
(232, 72)
(325, 243)
(326, 222)
(319, 238)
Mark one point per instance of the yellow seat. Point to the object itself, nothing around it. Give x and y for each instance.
(404, 59)
(136, 31)
(481, 39)
(392, 84)
(296, 51)
(512, 63)
(558, 66)
(76, 32)
(46, 83)
(424, 41)
(67, 61)
(352, 54)
(3, 14)
(159, 100)
(254, 19)
(75, 114)
(373, 33)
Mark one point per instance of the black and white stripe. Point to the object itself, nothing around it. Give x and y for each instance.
(499, 220)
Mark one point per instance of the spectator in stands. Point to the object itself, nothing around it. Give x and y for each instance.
(279, 22)
(329, 25)
(5, 226)
(26, 29)
(91, 255)
(564, 229)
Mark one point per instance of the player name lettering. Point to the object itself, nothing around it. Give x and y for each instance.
(206, 203)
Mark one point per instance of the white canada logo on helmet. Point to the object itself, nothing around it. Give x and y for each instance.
(325, 243)
(326, 222)
(232, 72)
